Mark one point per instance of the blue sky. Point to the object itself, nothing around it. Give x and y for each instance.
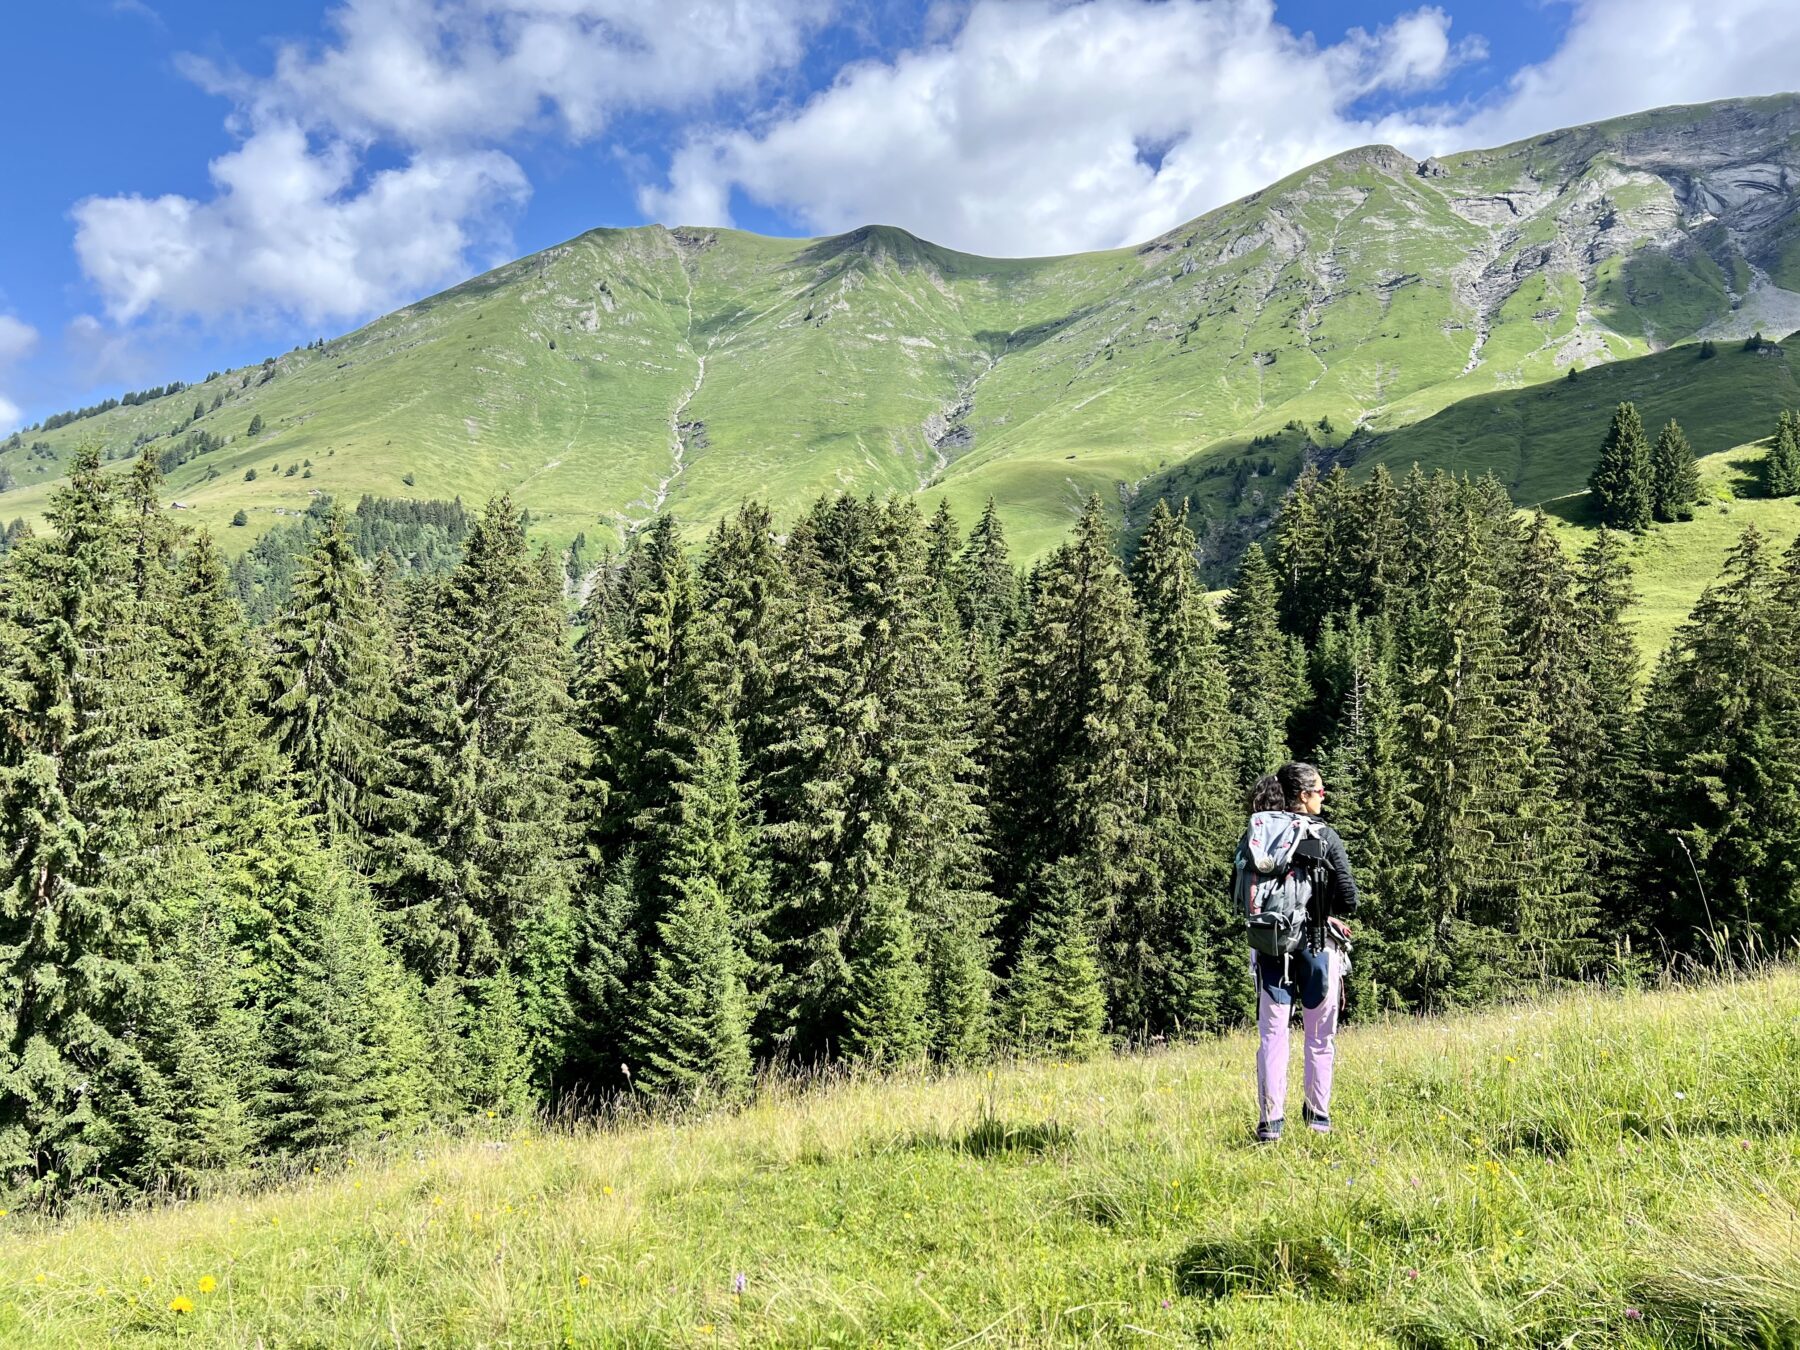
(199, 183)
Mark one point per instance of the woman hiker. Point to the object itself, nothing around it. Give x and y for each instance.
(1293, 880)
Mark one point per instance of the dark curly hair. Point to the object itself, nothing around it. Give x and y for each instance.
(1267, 794)
(1295, 778)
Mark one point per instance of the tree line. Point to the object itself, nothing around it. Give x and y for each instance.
(857, 792)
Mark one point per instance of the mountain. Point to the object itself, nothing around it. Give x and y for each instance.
(1371, 307)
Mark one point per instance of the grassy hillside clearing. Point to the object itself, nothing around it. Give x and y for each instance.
(1672, 564)
(1599, 1169)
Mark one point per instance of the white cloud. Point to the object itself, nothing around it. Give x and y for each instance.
(1034, 126)
(291, 229)
(426, 71)
(17, 339)
(1031, 129)
(1623, 56)
(297, 225)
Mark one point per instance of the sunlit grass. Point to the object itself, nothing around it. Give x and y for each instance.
(1600, 1169)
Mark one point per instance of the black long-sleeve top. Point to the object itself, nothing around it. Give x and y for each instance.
(1340, 887)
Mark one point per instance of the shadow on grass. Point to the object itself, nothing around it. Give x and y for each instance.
(1578, 508)
(1262, 1261)
(992, 1137)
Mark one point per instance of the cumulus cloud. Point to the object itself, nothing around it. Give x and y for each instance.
(290, 229)
(1623, 56)
(17, 339)
(1041, 127)
(299, 225)
(1046, 127)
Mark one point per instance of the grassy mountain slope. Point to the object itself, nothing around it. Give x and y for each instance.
(1596, 1170)
(634, 370)
(1672, 564)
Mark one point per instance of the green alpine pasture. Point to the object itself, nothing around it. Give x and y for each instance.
(1415, 310)
(1608, 1168)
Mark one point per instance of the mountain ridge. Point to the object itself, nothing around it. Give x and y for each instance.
(631, 370)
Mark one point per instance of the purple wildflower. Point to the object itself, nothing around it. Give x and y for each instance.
(1633, 1315)
(738, 1281)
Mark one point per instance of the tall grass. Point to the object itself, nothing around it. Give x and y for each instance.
(1596, 1169)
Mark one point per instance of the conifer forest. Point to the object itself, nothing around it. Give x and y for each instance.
(444, 825)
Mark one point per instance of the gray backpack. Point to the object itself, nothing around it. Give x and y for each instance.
(1279, 866)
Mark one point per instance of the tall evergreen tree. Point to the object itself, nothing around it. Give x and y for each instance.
(867, 788)
(666, 914)
(1674, 477)
(1720, 757)
(1781, 467)
(1069, 800)
(1622, 482)
(689, 1031)
(344, 1057)
(1360, 756)
(1457, 733)
(329, 688)
(1261, 667)
(476, 864)
(1182, 946)
(95, 787)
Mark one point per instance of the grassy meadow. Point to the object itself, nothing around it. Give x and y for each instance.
(1672, 565)
(1600, 1169)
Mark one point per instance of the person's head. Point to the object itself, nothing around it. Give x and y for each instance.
(1302, 786)
(1267, 794)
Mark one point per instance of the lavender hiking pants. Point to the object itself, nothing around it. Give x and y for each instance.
(1317, 978)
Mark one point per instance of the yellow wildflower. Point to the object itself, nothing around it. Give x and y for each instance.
(42, 1278)
(208, 1284)
(606, 1190)
(181, 1303)
(706, 1328)
(584, 1282)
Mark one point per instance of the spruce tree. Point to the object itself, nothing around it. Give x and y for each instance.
(196, 1118)
(96, 792)
(1360, 756)
(1260, 668)
(673, 892)
(688, 1030)
(335, 1077)
(867, 789)
(1075, 718)
(214, 662)
(476, 863)
(1674, 477)
(1781, 467)
(1181, 946)
(1622, 482)
(1055, 998)
(1456, 738)
(1720, 759)
(328, 688)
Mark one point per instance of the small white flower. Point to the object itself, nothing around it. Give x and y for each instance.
(1681, 1096)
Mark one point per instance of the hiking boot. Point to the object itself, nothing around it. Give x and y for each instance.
(1315, 1121)
(1269, 1132)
